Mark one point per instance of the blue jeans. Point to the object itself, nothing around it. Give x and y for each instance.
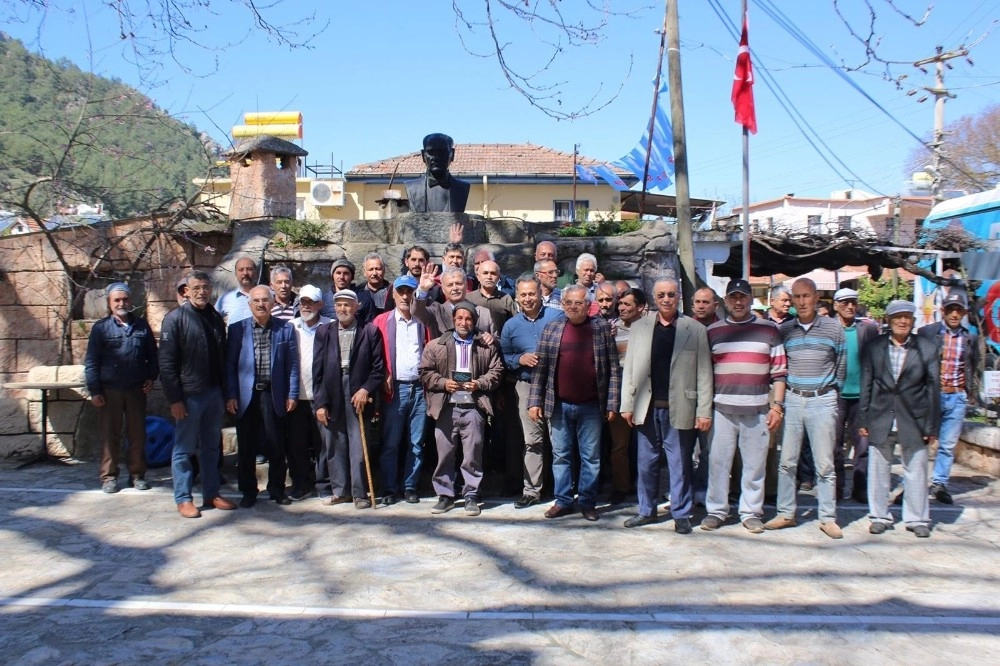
(655, 438)
(576, 431)
(199, 432)
(952, 419)
(815, 417)
(405, 413)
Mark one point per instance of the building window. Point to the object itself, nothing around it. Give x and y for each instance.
(562, 210)
(844, 222)
(814, 224)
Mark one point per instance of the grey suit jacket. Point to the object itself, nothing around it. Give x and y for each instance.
(690, 373)
(913, 400)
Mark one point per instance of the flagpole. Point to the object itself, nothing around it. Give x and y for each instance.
(652, 118)
(746, 190)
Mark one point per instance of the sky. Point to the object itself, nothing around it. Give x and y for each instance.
(381, 74)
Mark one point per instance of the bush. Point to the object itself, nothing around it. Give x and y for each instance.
(304, 233)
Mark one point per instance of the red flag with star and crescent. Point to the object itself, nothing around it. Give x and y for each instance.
(743, 85)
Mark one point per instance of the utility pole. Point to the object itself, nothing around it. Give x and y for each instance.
(572, 214)
(685, 241)
(941, 94)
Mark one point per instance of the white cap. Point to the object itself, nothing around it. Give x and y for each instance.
(312, 293)
(845, 294)
(346, 293)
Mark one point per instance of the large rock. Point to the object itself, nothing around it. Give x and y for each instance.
(13, 416)
(18, 450)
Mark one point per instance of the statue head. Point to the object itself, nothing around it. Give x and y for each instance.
(437, 154)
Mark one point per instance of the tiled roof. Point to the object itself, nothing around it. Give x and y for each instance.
(488, 159)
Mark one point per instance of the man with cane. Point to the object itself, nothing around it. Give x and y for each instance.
(348, 370)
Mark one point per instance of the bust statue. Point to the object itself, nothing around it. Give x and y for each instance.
(437, 191)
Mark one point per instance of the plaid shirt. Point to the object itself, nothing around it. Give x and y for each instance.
(952, 358)
(897, 355)
(543, 377)
(262, 352)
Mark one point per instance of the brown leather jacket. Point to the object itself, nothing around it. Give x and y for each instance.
(438, 363)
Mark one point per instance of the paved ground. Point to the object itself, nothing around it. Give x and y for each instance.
(95, 579)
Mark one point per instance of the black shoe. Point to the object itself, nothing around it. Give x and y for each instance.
(639, 520)
(110, 486)
(261, 460)
(920, 531)
(411, 496)
(140, 483)
(877, 528)
(299, 495)
(941, 494)
(526, 501)
(248, 501)
(682, 525)
(388, 500)
(472, 506)
(282, 500)
(444, 504)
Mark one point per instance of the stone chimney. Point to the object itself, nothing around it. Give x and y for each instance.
(262, 171)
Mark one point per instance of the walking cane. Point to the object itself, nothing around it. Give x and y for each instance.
(364, 449)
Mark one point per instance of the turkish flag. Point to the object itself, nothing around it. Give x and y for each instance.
(743, 85)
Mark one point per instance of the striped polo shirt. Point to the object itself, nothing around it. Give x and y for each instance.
(817, 356)
(747, 357)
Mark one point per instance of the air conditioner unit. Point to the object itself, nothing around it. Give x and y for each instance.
(326, 193)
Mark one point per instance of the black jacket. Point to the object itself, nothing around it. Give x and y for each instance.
(192, 351)
(367, 369)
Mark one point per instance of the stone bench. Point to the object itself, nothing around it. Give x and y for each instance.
(979, 448)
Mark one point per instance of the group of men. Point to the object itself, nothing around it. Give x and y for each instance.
(311, 377)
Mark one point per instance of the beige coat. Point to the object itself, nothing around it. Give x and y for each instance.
(691, 388)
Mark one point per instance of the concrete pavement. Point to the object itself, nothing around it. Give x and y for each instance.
(91, 578)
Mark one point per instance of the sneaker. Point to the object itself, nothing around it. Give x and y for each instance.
(831, 529)
(753, 525)
(919, 531)
(362, 504)
(472, 506)
(682, 525)
(710, 522)
(941, 494)
(444, 504)
(299, 495)
(411, 496)
(779, 523)
(877, 528)
(140, 483)
(526, 501)
(110, 486)
(326, 500)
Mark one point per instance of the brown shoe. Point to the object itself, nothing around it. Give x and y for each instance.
(832, 530)
(556, 511)
(779, 523)
(589, 513)
(188, 510)
(221, 503)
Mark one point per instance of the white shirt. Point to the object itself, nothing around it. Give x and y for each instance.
(306, 336)
(407, 348)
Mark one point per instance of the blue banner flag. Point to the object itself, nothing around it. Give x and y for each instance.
(661, 157)
(586, 174)
(612, 179)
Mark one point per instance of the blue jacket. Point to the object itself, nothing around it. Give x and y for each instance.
(120, 358)
(240, 364)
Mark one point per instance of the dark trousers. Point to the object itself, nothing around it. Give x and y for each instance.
(340, 467)
(847, 429)
(305, 441)
(130, 405)
(259, 428)
(655, 438)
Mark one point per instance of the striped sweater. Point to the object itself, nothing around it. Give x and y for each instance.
(817, 358)
(748, 356)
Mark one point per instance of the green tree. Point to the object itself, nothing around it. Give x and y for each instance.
(875, 295)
